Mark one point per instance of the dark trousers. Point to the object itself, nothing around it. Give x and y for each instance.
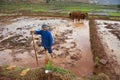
(49, 50)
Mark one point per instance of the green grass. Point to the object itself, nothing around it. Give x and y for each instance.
(84, 7)
(34, 74)
(37, 73)
(49, 66)
(63, 71)
(96, 62)
(43, 7)
(115, 18)
(59, 70)
(23, 7)
(114, 13)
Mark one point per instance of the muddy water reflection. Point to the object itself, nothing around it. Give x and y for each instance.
(81, 38)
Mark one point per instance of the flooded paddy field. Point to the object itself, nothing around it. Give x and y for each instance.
(109, 33)
(71, 43)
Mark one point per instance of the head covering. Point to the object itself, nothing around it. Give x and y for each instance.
(44, 26)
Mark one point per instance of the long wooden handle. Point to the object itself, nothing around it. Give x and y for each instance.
(35, 49)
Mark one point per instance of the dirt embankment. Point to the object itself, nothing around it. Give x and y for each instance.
(33, 74)
(100, 54)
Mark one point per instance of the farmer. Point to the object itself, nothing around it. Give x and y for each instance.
(46, 37)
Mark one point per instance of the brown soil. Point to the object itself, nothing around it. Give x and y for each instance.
(98, 51)
(113, 30)
(50, 76)
(116, 33)
(30, 14)
(51, 14)
(34, 74)
(5, 78)
(42, 76)
(111, 18)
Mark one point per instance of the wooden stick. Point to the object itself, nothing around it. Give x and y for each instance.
(46, 54)
(35, 49)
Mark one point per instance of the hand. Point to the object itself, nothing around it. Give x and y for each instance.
(31, 32)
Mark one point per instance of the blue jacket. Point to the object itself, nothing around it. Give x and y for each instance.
(47, 39)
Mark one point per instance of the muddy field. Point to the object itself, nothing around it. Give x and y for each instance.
(71, 43)
(109, 33)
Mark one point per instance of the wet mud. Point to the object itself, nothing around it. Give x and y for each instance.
(71, 46)
(105, 47)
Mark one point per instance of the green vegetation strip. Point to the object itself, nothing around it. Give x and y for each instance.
(59, 70)
(114, 14)
(63, 7)
(37, 73)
